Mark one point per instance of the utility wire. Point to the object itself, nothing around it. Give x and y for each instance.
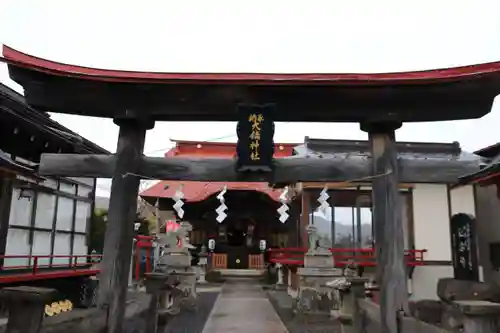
(208, 140)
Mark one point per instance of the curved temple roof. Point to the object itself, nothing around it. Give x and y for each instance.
(15, 57)
(432, 95)
(198, 191)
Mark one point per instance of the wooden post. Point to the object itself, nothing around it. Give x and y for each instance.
(359, 241)
(304, 217)
(332, 226)
(120, 229)
(389, 237)
(6, 190)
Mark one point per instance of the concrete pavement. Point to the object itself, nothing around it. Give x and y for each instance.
(242, 307)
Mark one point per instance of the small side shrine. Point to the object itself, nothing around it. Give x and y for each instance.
(251, 213)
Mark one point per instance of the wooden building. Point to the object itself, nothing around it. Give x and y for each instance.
(429, 200)
(44, 221)
(487, 230)
(252, 208)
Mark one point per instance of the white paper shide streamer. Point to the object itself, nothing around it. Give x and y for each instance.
(323, 200)
(284, 207)
(221, 210)
(178, 202)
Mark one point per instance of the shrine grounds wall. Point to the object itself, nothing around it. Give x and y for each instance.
(431, 220)
(433, 206)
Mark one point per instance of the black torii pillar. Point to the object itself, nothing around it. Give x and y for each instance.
(391, 273)
(115, 265)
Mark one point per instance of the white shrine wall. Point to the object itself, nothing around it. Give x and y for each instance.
(433, 206)
(65, 214)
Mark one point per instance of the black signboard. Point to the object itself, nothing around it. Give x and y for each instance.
(255, 130)
(464, 251)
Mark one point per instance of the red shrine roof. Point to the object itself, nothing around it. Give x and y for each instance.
(18, 58)
(198, 191)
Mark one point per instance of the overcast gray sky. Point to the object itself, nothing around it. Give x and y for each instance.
(260, 36)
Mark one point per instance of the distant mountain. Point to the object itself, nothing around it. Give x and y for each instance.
(101, 203)
(341, 230)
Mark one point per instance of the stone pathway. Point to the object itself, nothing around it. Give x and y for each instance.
(243, 307)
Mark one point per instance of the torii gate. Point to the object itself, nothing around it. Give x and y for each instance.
(135, 100)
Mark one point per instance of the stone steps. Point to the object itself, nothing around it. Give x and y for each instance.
(245, 273)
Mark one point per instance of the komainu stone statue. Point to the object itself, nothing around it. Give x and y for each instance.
(314, 296)
(175, 260)
(323, 245)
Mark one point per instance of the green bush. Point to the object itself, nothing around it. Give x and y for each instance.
(214, 276)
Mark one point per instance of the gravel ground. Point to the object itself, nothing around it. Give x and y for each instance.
(134, 325)
(193, 321)
(185, 322)
(282, 304)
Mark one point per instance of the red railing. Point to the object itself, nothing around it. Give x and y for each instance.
(41, 267)
(35, 262)
(342, 256)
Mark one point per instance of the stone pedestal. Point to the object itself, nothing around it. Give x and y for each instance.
(293, 282)
(158, 286)
(279, 267)
(202, 264)
(480, 316)
(201, 275)
(26, 307)
(350, 288)
(315, 297)
(178, 265)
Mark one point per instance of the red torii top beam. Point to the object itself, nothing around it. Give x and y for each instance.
(441, 94)
(15, 57)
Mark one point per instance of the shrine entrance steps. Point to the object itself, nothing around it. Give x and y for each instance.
(243, 307)
(246, 273)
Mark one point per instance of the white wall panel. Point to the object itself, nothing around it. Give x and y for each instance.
(20, 209)
(17, 244)
(41, 246)
(462, 200)
(431, 221)
(62, 246)
(66, 187)
(84, 191)
(80, 247)
(45, 210)
(64, 214)
(425, 279)
(82, 216)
